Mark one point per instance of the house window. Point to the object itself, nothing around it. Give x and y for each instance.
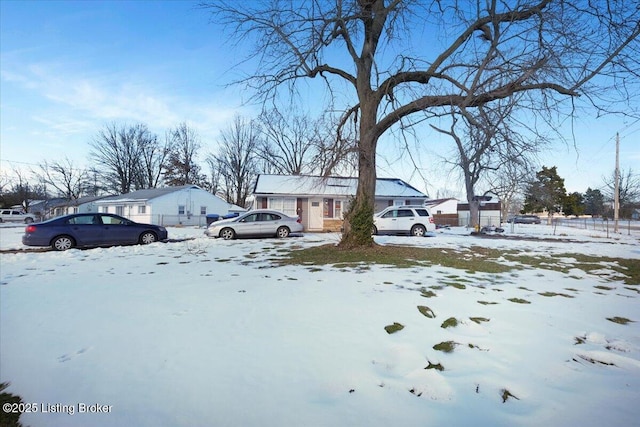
(142, 209)
(289, 207)
(276, 203)
(328, 208)
(120, 210)
(181, 209)
(284, 205)
(338, 209)
(203, 210)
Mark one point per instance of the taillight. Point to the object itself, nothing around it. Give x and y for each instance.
(431, 220)
(299, 220)
(30, 229)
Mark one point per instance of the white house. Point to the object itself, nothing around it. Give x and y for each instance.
(490, 212)
(320, 202)
(183, 205)
(443, 206)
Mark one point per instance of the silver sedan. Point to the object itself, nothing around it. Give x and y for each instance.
(256, 223)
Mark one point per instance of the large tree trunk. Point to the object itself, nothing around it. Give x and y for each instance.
(358, 223)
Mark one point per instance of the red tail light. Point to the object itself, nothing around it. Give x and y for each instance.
(299, 220)
(30, 228)
(431, 220)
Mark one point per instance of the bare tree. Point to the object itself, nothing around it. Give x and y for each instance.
(182, 167)
(17, 189)
(489, 150)
(628, 190)
(236, 161)
(286, 144)
(548, 50)
(126, 157)
(69, 181)
(296, 144)
(152, 161)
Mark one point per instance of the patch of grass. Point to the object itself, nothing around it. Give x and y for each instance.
(604, 288)
(506, 395)
(446, 346)
(456, 285)
(487, 302)
(554, 294)
(620, 320)
(451, 322)
(484, 260)
(427, 293)
(395, 327)
(519, 301)
(436, 366)
(594, 361)
(426, 311)
(479, 320)
(470, 260)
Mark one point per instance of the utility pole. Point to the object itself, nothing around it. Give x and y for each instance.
(616, 195)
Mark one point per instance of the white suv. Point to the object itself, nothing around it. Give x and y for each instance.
(12, 215)
(409, 219)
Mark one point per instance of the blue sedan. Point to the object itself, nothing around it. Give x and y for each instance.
(91, 229)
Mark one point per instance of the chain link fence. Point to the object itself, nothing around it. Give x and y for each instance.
(625, 226)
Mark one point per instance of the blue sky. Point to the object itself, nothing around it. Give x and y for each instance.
(70, 67)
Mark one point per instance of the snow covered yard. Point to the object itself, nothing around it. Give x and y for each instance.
(211, 332)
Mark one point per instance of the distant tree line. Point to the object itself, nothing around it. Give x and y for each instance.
(547, 193)
(128, 157)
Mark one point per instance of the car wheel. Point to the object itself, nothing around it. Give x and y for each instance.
(282, 232)
(227, 233)
(62, 243)
(28, 220)
(148, 237)
(374, 230)
(417, 230)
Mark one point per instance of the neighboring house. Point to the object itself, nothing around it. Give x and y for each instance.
(635, 214)
(84, 204)
(321, 202)
(444, 211)
(183, 205)
(442, 206)
(490, 213)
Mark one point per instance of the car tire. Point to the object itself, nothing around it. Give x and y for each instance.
(227, 233)
(62, 243)
(148, 237)
(374, 230)
(418, 231)
(28, 220)
(282, 232)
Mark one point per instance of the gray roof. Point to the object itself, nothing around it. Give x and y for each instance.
(306, 185)
(144, 195)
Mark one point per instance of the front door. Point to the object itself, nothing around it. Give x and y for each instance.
(315, 214)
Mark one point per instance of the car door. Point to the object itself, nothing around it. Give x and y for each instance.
(249, 225)
(117, 230)
(86, 230)
(405, 221)
(387, 222)
(269, 223)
